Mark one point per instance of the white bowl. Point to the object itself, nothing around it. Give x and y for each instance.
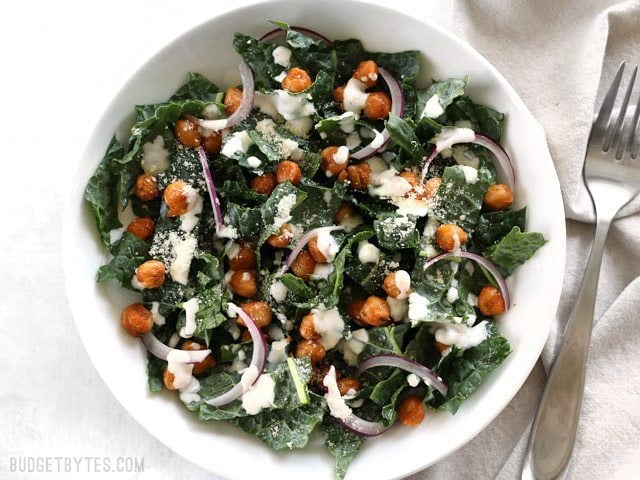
(535, 287)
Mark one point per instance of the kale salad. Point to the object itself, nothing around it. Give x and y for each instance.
(321, 248)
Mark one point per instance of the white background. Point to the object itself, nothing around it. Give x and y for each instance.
(62, 62)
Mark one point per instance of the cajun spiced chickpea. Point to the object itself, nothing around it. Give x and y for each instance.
(297, 80)
(176, 198)
(142, 227)
(441, 347)
(232, 100)
(243, 283)
(498, 197)
(304, 265)
(168, 379)
(315, 252)
(450, 237)
(244, 258)
(338, 94)
(308, 329)
(260, 312)
(490, 301)
(187, 133)
(344, 211)
(282, 238)
(355, 309)
(411, 411)
(264, 184)
(288, 171)
(431, 187)
(207, 364)
(136, 320)
(348, 386)
(212, 142)
(377, 106)
(147, 187)
(367, 73)
(334, 160)
(375, 312)
(151, 274)
(396, 284)
(311, 349)
(359, 175)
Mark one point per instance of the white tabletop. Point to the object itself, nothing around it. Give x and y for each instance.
(62, 63)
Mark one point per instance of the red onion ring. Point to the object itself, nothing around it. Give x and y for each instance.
(306, 238)
(258, 359)
(491, 268)
(244, 109)
(397, 107)
(278, 32)
(162, 351)
(213, 195)
(411, 366)
(504, 162)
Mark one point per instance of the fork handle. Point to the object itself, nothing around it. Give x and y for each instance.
(554, 429)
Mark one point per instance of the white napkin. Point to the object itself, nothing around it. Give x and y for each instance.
(553, 53)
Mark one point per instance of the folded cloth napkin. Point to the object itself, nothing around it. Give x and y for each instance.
(553, 53)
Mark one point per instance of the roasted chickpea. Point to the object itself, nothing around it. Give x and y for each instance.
(311, 349)
(490, 301)
(450, 237)
(296, 80)
(441, 347)
(136, 320)
(168, 378)
(396, 284)
(348, 386)
(147, 187)
(212, 143)
(244, 259)
(264, 184)
(375, 312)
(367, 73)
(232, 100)
(207, 364)
(308, 329)
(260, 312)
(431, 187)
(338, 94)
(187, 133)
(304, 265)
(282, 238)
(355, 309)
(334, 160)
(175, 196)
(142, 227)
(315, 252)
(411, 411)
(245, 336)
(288, 171)
(498, 197)
(151, 274)
(377, 106)
(344, 211)
(318, 372)
(243, 283)
(359, 175)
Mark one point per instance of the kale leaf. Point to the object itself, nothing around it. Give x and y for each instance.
(484, 119)
(128, 253)
(515, 248)
(492, 226)
(342, 444)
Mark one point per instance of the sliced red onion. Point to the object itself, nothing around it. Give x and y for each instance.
(306, 238)
(491, 268)
(213, 195)
(258, 359)
(504, 162)
(277, 33)
(397, 107)
(161, 351)
(362, 427)
(244, 109)
(411, 366)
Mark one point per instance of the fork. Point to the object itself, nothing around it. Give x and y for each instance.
(612, 176)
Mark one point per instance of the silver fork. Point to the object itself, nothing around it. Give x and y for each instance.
(612, 176)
